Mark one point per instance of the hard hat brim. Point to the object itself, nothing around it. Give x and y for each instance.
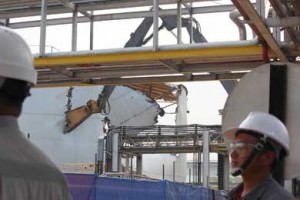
(229, 134)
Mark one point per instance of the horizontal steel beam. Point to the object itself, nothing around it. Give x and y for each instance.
(119, 16)
(216, 148)
(56, 8)
(151, 71)
(125, 81)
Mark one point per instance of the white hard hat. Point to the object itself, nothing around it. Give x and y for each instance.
(265, 124)
(16, 60)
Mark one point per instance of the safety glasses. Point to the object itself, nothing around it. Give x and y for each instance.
(240, 147)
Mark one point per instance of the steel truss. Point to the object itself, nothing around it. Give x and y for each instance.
(168, 139)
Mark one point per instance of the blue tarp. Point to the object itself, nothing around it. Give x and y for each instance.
(91, 187)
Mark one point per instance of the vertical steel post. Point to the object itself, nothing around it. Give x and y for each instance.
(220, 172)
(139, 164)
(276, 30)
(115, 152)
(277, 105)
(92, 31)
(74, 29)
(163, 172)
(104, 164)
(173, 170)
(190, 174)
(131, 167)
(295, 183)
(96, 170)
(206, 161)
(43, 27)
(100, 155)
(127, 163)
(199, 168)
(191, 19)
(155, 24)
(261, 8)
(179, 22)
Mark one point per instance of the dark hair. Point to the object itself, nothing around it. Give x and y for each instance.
(13, 92)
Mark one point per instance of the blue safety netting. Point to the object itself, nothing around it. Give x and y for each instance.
(91, 187)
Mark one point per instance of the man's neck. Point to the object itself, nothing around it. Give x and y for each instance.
(5, 110)
(250, 181)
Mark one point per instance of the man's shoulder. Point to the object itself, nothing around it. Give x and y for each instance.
(20, 155)
(267, 190)
(277, 190)
(272, 190)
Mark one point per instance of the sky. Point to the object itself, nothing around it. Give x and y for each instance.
(205, 99)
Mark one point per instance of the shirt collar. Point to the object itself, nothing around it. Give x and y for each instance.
(258, 190)
(254, 194)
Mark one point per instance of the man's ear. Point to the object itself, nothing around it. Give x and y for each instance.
(267, 158)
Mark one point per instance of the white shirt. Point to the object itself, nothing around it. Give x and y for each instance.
(25, 172)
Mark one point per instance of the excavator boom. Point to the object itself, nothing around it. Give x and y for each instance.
(75, 117)
(78, 115)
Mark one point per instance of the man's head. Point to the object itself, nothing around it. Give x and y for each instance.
(260, 137)
(17, 73)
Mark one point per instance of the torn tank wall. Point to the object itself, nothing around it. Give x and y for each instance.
(132, 108)
(43, 121)
(43, 118)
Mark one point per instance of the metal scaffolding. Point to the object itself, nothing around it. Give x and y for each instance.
(129, 141)
(168, 139)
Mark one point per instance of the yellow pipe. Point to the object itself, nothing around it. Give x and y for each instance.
(148, 56)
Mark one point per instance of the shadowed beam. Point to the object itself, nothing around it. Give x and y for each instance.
(72, 6)
(62, 70)
(122, 81)
(172, 65)
(280, 11)
(248, 11)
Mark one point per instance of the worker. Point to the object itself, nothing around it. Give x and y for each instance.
(256, 146)
(25, 172)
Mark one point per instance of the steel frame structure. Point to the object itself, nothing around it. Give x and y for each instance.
(172, 63)
(168, 139)
(129, 141)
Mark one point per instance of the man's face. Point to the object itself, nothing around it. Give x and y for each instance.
(240, 149)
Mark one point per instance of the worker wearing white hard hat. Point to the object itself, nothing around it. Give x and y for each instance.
(25, 171)
(255, 147)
